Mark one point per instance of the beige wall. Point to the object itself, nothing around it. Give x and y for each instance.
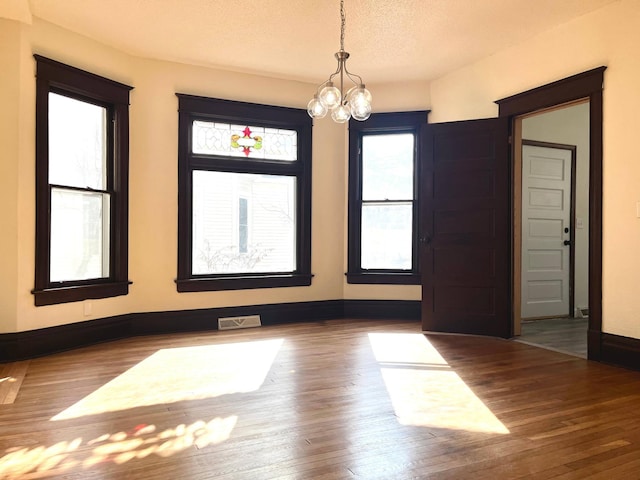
(10, 36)
(153, 177)
(570, 126)
(609, 36)
(605, 37)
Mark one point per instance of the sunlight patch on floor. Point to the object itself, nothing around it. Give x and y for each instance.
(425, 390)
(118, 447)
(182, 374)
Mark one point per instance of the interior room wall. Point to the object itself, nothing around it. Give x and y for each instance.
(609, 37)
(10, 36)
(153, 177)
(153, 183)
(154, 147)
(570, 125)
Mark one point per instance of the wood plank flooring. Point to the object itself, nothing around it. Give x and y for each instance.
(328, 400)
(11, 377)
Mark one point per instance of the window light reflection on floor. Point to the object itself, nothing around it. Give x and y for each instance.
(168, 376)
(182, 374)
(118, 447)
(425, 390)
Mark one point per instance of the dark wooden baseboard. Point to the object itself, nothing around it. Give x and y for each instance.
(618, 350)
(400, 309)
(614, 349)
(45, 341)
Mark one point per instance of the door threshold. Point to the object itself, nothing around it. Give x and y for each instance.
(553, 349)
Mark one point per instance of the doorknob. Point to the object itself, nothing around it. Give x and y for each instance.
(426, 240)
(567, 242)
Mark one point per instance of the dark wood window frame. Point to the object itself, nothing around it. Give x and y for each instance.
(53, 76)
(380, 124)
(207, 109)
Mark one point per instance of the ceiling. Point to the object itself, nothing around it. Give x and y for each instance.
(296, 39)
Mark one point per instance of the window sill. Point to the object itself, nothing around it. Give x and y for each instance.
(77, 293)
(243, 282)
(384, 278)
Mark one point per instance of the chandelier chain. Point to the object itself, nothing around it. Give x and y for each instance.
(343, 22)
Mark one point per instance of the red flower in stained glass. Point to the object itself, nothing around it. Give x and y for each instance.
(246, 142)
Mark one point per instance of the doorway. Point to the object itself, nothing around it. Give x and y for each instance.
(584, 86)
(457, 301)
(551, 245)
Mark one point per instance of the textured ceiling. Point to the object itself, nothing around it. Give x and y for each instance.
(296, 39)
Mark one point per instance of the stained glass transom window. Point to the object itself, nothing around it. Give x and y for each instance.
(214, 138)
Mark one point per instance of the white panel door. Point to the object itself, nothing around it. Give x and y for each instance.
(546, 213)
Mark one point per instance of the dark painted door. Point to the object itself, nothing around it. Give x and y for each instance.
(465, 228)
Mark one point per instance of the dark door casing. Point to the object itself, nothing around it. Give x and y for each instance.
(465, 228)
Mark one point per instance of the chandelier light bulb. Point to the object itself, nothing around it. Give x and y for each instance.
(330, 96)
(361, 112)
(341, 114)
(316, 109)
(359, 96)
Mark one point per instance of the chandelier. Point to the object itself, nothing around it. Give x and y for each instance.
(356, 102)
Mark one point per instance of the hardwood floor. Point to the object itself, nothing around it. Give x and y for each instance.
(11, 377)
(566, 335)
(329, 400)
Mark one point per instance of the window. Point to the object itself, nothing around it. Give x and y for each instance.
(383, 186)
(244, 197)
(82, 162)
(243, 226)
